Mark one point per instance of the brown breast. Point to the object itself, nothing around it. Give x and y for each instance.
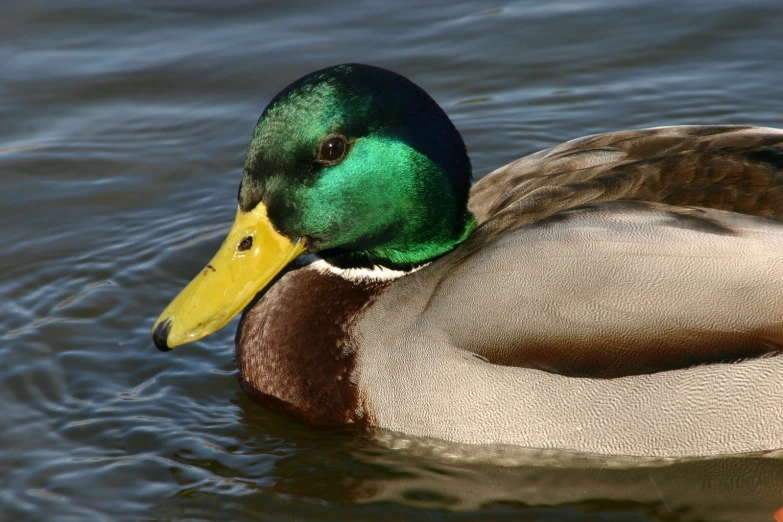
(294, 347)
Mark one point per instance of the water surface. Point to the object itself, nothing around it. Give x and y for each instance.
(124, 127)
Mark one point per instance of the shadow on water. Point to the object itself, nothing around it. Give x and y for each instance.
(299, 471)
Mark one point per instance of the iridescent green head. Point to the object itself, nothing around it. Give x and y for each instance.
(353, 163)
(363, 164)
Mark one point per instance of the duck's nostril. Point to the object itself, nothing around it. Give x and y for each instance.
(161, 334)
(245, 244)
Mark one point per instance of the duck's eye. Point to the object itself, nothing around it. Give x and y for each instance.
(332, 150)
(245, 244)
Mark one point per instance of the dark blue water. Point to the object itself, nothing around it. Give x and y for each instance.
(124, 127)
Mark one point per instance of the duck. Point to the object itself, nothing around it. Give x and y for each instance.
(618, 294)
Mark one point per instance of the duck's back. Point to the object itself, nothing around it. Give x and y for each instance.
(611, 219)
(733, 168)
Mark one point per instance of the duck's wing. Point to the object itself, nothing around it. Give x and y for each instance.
(617, 288)
(725, 167)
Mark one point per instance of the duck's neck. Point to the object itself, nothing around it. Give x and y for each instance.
(411, 251)
(294, 346)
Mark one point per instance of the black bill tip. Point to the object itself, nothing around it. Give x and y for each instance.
(160, 335)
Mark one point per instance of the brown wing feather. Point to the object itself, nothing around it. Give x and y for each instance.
(725, 167)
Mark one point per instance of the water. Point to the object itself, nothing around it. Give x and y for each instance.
(124, 127)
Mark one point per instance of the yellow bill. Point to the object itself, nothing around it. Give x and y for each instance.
(252, 254)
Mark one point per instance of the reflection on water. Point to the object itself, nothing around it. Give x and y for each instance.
(124, 131)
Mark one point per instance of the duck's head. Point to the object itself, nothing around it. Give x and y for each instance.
(353, 163)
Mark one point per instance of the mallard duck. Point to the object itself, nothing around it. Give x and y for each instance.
(619, 294)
